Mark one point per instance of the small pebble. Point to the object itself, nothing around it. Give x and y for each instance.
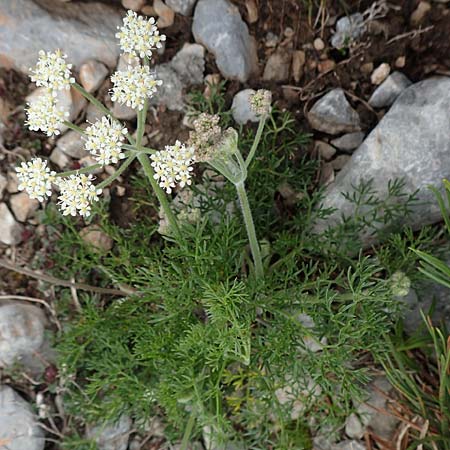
(324, 150)
(134, 5)
(380, 73)
(367, 68)
(252, 11)
(23, 206)
(166, 15)
(148, 10)
(271, 40)
(326, 66)
(400, 62)
(419, 13)
(288, 32)
(326, 174)
(339, 162)
(298, 63)
(318, 44)
(92, 75)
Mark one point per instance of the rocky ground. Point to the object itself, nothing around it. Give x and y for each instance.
(371, 84)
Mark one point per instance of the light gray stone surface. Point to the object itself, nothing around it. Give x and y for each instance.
(19, 429)
(23, 206)
(21, 332)
(240, 108)
(333, 114)
(184, 7)
(385, 94)
(72, 144)
(82, 30)
(111, 435)
(92, 75)
(412, 142)
(349, 141)
(219, 27)
(10, 230)
(348, 29)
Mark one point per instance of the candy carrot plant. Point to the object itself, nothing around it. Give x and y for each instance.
(109, 142)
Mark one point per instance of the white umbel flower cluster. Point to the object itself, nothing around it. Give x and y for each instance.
(173, 166)
(104, 141)
(36, 179)
(52, 71)
(76, 195)
(44, 114)
(133, 86)
(139, 36)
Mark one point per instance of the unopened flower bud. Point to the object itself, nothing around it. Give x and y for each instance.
(260, 102)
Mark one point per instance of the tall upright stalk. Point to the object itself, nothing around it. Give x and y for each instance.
(250, 227)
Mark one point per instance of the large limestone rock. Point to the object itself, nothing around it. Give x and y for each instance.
(82, 30)
(412, 142)
(19, 429)
(220, 28)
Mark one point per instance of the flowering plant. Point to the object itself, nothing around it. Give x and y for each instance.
(166, 169)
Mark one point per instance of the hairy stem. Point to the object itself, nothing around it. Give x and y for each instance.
(250, 227)
(99, 105)
(148, 170)
(87, 169)
(255, 144)
(117, 173)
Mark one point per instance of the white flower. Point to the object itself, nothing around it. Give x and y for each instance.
(260, 102)
(35, 178)
(104, 141)
(133, 86)
(139, 36)
(44, 114)
(173, 166)
(52, 71)
(77, 194)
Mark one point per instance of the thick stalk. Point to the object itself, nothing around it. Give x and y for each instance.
(255, 144)
(187, 432)
(148, 170)
(250, 227)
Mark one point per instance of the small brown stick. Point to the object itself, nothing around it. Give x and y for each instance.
(410, 34)
(53, 280)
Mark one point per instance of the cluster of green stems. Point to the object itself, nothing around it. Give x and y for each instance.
(234, 168)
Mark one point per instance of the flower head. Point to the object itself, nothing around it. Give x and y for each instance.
(77, 194)
(206, 134)
(35, 178)
(260, 102)
(133, 86)
(400, 284)
(104, 140)
(139, 36)
(52, 71)
(44, 114)
(173, 166)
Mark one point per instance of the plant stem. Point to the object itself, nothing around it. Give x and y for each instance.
(187, 432)
(149, 151)
(255, 144)
(74, 127)
(82, 170)
(99, 105)
(148, 170)
(250, 227)
(117, 173)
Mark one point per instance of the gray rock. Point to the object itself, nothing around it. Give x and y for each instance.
(93, 113)
(339, 162)
(19, 429)
(373, 413)
(349, 141)
(349, 445)
(170, 93)
(10, 230)
(59, 158)
(277, 66)
(324, 150)
(348, 30)
(411, 142)
(386, 94)
(111, 435)
(82, 30)
(183, 7)
(219, 27)
(3, 184)
(92, 75)
(21, 332)
(333, 114)
(72, 144)
(189, 64)
(185, 69)
(240, 109)
(23, 206)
